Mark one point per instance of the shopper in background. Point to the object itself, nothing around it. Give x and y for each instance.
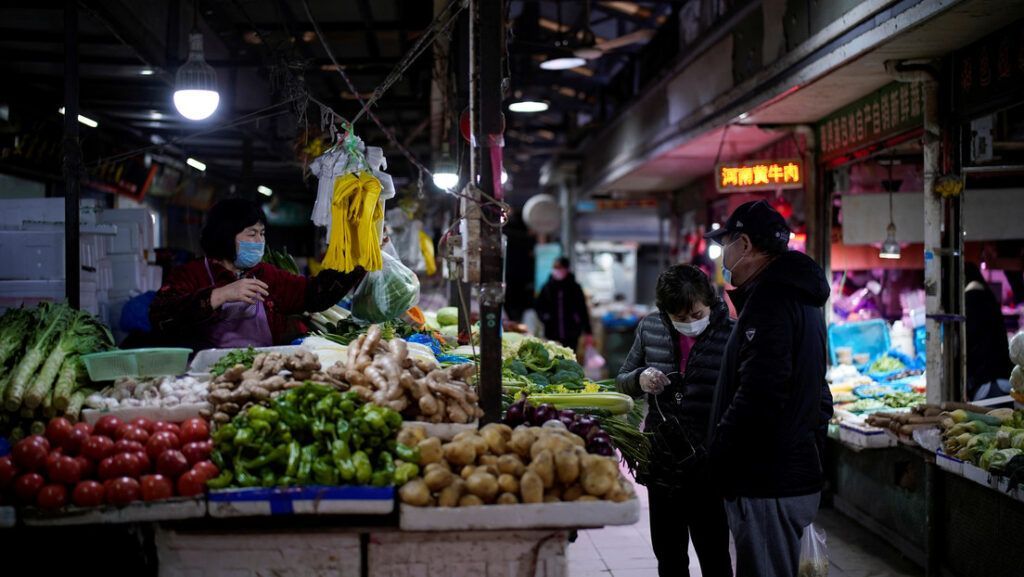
(988, 357)
(772, 404)
(562, 307)
(230, 298)
(675, 361)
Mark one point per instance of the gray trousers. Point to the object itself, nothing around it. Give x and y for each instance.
(768, 532)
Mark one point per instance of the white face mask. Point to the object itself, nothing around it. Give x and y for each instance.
(692, 329)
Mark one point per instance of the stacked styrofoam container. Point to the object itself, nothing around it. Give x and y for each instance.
(129, 256)
(32, 252)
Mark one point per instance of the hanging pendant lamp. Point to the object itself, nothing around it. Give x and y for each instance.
(195, 84)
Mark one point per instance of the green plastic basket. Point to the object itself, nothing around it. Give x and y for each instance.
(113, 365)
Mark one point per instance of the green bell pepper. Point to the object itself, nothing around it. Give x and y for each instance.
(220, 481)
(259, 412)
(364, 471)
(405, 473)
(407, 454)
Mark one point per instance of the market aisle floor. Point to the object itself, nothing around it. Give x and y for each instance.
(626, 551)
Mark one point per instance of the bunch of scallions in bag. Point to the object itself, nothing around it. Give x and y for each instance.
(40, 351)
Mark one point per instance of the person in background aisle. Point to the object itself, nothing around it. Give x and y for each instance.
(684, 339)
(772, 405)
(230, 298)
(988, 357)
(562, 307)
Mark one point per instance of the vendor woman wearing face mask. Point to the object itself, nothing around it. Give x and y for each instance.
(230, 298)
(675, 362)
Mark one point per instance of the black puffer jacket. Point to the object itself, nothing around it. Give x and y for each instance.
(689, 398)
(772, 404)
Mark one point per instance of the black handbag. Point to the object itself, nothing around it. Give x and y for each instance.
(671, 441)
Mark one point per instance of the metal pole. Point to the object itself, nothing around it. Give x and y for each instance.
(938, 386)
(491, 37)
(72, 156)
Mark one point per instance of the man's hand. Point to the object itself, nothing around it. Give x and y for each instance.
(247, 290)
(653, 381)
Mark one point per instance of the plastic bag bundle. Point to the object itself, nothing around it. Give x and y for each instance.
(356, 217)
(813, 553)
(387, 293)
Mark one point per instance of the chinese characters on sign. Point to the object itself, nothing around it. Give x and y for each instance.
(760, 175)
(891, 110)
(989, 70)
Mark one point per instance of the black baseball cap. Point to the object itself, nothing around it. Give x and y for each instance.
(753, 218)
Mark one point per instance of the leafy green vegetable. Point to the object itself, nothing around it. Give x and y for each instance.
(50, 320)
(14, 329)
(84, 335)
(236, 357)
(281, 259)
(886, 364)
(386, 294)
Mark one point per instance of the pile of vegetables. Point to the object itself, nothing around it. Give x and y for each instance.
(383, 373)
(243, 357)
(159, 392)
(1017, 375)
(268, 375)
(886, 364)
(41, 374)
(903, 424)
(989, 440)
(502, 466)
(114, 463)
(313, 434)
(538, 366)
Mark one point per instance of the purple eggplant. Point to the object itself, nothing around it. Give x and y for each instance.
(529, 412)
(515, 414)
(599, 437)
(584, 425)
(601, 446)
(544, 413)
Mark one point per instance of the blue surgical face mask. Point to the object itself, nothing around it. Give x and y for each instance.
(249, 254)
(727, 270)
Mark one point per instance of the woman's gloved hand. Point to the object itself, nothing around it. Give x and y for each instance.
(653, 381)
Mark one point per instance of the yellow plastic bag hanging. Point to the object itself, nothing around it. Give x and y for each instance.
(356, 215)
(427, 248)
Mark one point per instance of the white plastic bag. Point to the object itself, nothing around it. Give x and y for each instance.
(813, 553)
(593, 362)
(387, 293)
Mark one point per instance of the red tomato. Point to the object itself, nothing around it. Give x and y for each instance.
(194, 430)
(52, 497)
(27, 486)
(126, 446)
(122, 491)
(156, 487)
(206, 469)
(85, 427)
(162, 441)
(106, 469)
(51, 459)
(86, 466)
(132, 433)
(127, 465)
(145, 461)
(108, 426)
(98, 447)
(57, 430)
(196, 452)
(144, 424)
(64, 470)
(7, 472)
(30, 453)
(72, 443)
(171, 464)
(88, 494)
(165, 426)
(191, 484)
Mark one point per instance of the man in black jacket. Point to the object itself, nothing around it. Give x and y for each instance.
(562, 307)
(674, 363)
(772, 404)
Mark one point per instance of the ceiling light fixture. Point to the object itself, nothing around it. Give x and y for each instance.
(890, 248)
(83, 119)
(445, 174)
(147, 72)
(265, 191)
(195, 84)
(563, 63)
(529, 106)
(196, 164)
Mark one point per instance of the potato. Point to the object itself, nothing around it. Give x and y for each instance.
(459, 453)
(439, 465)
(553, 493)
(588, 498)
(430, 450)
(410, 436)
(470, 500)
(550, 442)
(507, 499)
(495, 440)
(415, 493)
(511, 464)
(572, 493)
(491, 470)
(450, 495)
(483, 485)
(619, 493)
(567, 465)
(508, 483)
(467, 471)
(488, 460)
(530, 487)
(438, 479)
(544, 465)
(522, 440)
(474, 439)
(600, 477)
(501, 428)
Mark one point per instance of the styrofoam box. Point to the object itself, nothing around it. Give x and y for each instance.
(866, 437)
(170, 510)
(15, 212)
(534, 516)
(167, 414)
(206, 358)
(16, 293)
(31, 255)
(92, 239)
(977, 474)
(141, 217)
(129, 272)
(310, 500)
(949, 463)
(154, 277)
(128, 239)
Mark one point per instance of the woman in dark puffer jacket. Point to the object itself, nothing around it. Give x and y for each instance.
(674, 363)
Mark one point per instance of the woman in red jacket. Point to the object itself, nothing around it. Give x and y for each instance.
(230, 298)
